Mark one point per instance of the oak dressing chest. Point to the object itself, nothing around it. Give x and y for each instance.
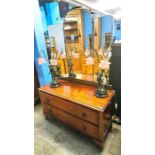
(77, 106)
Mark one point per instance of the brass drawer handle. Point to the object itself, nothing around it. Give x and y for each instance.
(83, 114)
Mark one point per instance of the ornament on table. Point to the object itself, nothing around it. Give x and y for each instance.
(101, 90)
(54, 71)
(104, 64)
(54, 66)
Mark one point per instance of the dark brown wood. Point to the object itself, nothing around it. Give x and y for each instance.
(72, 121)
(100, 127)
(77, 106)
(80, 94)
(70, 107)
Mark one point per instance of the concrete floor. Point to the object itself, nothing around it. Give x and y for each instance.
(52, 137)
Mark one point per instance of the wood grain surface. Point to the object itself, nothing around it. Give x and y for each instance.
(81, 94)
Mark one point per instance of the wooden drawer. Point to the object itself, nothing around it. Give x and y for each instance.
(72, 108)
(69, 119)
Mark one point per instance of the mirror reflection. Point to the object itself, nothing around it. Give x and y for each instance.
(80, 39)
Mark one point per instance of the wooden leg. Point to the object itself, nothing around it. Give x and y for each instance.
(99, 144)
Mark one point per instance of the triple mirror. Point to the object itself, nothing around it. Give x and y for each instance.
(86, 36)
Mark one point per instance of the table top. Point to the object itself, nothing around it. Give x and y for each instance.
(80, 94)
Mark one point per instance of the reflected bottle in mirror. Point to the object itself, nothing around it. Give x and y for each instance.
(70, 68)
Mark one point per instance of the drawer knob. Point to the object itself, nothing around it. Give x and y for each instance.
(83, 114)
(84, 128)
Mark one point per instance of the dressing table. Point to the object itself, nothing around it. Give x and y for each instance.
(74, 101)
(76, 105)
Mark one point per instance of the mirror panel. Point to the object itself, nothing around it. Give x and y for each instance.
(81, 35)
(73, 33)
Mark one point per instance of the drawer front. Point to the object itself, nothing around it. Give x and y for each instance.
(72, 121)
(72, 108)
